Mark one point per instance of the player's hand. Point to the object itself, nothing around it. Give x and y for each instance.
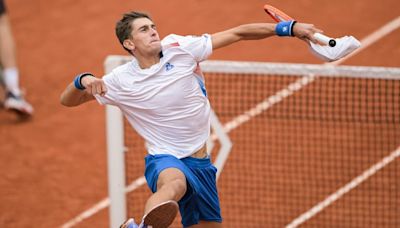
(94, 85)
(305, 32)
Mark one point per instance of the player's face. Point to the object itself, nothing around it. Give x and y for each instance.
(145, 36)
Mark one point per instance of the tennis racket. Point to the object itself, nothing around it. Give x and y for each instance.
(279, 16)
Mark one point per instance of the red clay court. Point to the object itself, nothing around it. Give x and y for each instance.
(54, 166)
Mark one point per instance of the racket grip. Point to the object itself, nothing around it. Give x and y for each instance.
(325, 39)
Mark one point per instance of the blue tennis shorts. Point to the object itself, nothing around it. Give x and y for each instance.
(200, 201)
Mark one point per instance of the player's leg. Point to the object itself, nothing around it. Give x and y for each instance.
(162, 207)
(168, 184)
(166, 179)
(171, 185)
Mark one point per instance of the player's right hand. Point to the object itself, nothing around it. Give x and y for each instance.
(305, 32)
(94, 85)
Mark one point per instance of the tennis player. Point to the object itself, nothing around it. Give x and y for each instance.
(162, 94)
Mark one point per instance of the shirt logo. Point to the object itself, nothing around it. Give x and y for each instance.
(168, 66)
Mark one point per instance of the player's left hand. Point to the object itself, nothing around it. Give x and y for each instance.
(94, 85)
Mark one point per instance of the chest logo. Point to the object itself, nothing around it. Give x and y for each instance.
(168, 66)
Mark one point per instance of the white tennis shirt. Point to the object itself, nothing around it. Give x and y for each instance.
(166, 103)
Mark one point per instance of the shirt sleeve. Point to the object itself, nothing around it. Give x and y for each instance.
(111, 95)
(200, 47)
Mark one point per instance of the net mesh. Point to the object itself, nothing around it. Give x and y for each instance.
(319, 146)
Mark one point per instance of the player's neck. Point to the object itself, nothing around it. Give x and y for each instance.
(147, 61)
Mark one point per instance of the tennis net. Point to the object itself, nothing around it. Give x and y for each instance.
(313, 145)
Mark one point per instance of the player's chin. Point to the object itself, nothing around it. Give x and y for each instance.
(155, 43)
(155, 46)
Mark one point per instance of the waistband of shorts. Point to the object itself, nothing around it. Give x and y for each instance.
(197, 162)
(189, 161)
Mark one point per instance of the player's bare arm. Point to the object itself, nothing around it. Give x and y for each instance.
(258, 31)
(72, 96)
(242, 32)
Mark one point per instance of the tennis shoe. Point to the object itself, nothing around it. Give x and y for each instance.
(18, 104)
(161, 216)
(130, 223)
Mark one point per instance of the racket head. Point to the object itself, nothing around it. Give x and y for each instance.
(277, 14)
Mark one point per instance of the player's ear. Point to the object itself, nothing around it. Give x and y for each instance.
(128, 44)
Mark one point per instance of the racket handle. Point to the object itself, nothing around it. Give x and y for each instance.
(325, 39)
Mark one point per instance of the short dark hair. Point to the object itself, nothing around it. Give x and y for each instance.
(123, 27)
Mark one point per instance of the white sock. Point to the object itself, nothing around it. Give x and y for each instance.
(11, 80)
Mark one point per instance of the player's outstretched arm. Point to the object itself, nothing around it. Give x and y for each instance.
(82, 89)
(243, 32)
(258, 31)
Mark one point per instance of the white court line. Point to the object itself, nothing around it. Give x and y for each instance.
(88, 213)
(267, 103)
(345, 189)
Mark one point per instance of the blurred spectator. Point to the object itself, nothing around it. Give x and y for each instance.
(14, 100)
